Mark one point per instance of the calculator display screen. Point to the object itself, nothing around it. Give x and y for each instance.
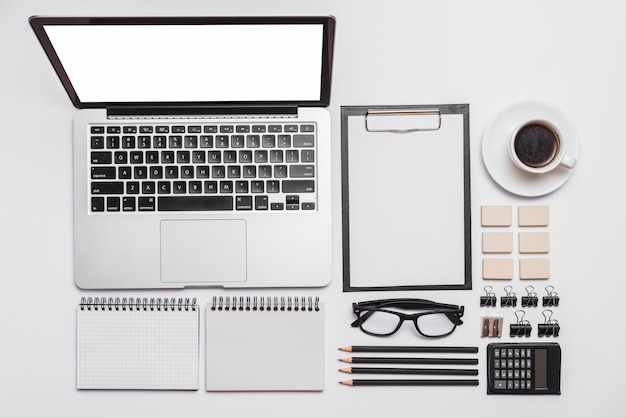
(541, 368)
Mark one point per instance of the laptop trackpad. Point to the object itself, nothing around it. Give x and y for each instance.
(203, 251)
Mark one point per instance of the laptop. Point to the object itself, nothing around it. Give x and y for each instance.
(201, 148)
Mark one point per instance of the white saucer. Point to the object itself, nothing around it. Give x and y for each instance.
(495, 149)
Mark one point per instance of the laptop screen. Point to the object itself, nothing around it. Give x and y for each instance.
(190, 60)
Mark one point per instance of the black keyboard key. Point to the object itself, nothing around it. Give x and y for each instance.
(107, 187)
(298, 186)
(206, 141)
(304, 141)
(176, 141)
(260, 202)
(132, 187)
(307, 156)
(129, 204)
(308, 206)
(243, 202)
(275, 128)
(97, 142)
(97, 204)
(301, 171)
(113, 142)
(164, 187)
(125, 173)
(101, 157)
(146, 129)
(178, 129)
(145, 141)
(195, 203)
(128, 142)
(183, 157)
(243, 129)
(129, 129)
(194, 129)
(113, 129)
(180, 187)
(113, 204)
(97, 129)
(146, 204)
(307, 128)
(104, 173)
(226, 186)
(210, 129)
(191, 141)
(258, 128)
(148, 187)
(291, 128)
(162, 129)
(121, 157)
(227, 129)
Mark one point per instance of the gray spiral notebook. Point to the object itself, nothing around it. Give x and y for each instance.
(137, 344)
(264, 344)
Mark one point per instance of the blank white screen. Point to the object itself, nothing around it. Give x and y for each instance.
(191, 63)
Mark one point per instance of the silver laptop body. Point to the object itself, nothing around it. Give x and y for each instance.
(201, 151)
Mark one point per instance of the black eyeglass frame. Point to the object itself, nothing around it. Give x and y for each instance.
(363, 310)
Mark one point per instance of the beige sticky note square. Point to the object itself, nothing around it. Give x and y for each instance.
(497, 242)
(497, 268)
(534, 268)
(496, 215)
(534, 242)
(535, 215)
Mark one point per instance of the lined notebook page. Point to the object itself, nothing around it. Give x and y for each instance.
(264, 350)
(137, 345)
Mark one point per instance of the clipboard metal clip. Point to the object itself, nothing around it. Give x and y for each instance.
(402, 120)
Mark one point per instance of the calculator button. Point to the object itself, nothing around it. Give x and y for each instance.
(499, 384)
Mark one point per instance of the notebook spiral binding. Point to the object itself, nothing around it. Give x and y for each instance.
(138, 304)
(262, 303)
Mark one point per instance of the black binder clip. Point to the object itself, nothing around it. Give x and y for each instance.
(522, 328)
(550, 328)
(490, 298)
(530, 300)
(552, 298)
(509, 299)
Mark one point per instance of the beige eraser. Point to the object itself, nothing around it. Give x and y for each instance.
(496, 215)
(497, 268)
(534, 242)
(534, 268)
(533, 215)
(497, 242)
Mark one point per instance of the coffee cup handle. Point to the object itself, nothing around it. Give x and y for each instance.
(568, 161)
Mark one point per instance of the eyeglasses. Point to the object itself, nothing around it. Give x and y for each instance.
(438, 319)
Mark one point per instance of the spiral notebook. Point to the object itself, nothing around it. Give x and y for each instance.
(137, 344)
(264, 344)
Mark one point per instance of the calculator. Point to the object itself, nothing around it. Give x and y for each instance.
(524, 369)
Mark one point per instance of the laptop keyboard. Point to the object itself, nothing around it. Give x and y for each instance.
(202, 167)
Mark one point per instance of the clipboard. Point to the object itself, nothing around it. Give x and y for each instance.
(406, 215)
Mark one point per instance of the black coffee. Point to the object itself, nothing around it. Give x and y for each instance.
(536, 145)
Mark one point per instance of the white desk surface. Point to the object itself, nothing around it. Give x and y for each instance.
(487, 53)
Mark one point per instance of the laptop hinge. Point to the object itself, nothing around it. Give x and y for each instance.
(186, 112)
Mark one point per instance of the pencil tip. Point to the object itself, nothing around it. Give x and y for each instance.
(349, 348)
(346, 360)
(346, 370)
(346, 382)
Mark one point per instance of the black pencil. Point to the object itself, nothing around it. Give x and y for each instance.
(409, 360)
(412, 382)
(400, 370)
(407, 349)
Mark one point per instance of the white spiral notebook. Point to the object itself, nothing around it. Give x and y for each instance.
(264, 344)
(137, 344)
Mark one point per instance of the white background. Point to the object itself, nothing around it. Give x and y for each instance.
(487, 53)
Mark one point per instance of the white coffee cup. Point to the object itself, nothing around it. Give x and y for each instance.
(537, 146)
